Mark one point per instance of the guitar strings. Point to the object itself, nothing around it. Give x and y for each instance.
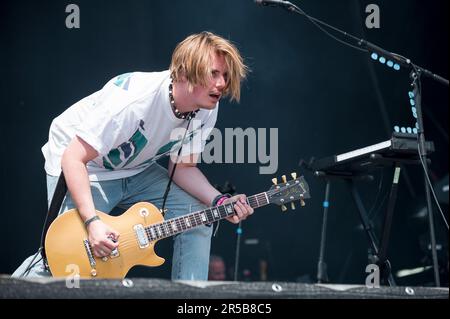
(179, 226)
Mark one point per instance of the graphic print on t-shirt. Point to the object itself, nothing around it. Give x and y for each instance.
(125, 153)
(170, 147)
(128, 151)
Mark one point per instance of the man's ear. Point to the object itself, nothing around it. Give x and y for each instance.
(182, 76)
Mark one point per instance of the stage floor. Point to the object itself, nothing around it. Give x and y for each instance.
(138, 288)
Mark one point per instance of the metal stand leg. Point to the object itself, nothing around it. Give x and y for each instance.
(384, 265)
(322, 276)
(437, 279)
(238, 249)
(382, 255)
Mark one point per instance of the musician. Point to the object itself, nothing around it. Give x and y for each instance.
(107, 145)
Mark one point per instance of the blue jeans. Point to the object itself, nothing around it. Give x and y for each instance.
(191, 249)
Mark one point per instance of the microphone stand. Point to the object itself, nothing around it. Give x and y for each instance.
(237, 253)
(417, 90)
(415, 74)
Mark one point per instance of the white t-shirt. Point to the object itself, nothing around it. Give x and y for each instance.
(130, 123)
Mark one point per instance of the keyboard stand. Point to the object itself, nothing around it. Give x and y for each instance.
(379, 247)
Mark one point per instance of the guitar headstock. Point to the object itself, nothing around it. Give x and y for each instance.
(287, 192)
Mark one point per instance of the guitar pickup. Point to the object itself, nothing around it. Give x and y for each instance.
(141, 236)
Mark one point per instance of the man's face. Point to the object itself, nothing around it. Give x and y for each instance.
(216, 270)
(206, 97)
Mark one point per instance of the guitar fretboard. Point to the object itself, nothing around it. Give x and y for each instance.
(210, 215)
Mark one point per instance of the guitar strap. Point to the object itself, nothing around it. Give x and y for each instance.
(166, 193)
(55, 206)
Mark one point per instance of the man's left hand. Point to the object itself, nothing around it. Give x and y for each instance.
(242, 209)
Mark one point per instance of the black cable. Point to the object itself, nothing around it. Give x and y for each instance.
(431, 188)
(316, 22)
(419, 86)
(31, 265)
(166, 193)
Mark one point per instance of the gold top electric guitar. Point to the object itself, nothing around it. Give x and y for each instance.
(141, 227)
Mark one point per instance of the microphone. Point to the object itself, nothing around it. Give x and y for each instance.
(280, 3)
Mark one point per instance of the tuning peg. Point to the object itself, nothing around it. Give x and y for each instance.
(283, 208)
(275, 181)
(284, 178)
(302, 202)
(292, 206)
(294, 175)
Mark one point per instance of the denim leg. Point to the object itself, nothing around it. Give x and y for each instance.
(191, 248)
(37, 268)
(106, 195)
(33, 266)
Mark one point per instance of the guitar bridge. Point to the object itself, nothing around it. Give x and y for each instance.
(89, 253)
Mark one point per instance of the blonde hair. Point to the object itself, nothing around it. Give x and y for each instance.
(192, 59)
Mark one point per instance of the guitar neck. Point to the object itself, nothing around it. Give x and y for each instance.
(210, 215)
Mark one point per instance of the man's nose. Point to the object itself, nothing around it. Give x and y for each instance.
(220, 82)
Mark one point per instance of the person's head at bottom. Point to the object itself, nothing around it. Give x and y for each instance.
(217, 269)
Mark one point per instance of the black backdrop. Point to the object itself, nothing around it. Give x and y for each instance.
(320, 95)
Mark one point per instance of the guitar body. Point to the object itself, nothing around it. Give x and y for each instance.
(68, 251)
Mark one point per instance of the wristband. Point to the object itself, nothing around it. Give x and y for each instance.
(90, 220)
(218, 200)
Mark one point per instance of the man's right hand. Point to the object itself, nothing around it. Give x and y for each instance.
(102, 238)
